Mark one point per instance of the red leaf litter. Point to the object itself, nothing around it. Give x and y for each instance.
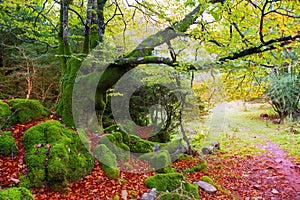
(269, 176)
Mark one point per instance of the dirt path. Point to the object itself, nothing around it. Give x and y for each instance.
(245, 171)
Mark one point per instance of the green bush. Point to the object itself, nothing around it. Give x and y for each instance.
(26, 111)
(108, 161)
(172, 181)
(284, 92)
(15, 193)
(51, 148)
(4, 112)
(7, 144)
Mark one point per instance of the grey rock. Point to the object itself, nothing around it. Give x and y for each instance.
(206, 186)
(149, 196)
(274, 191)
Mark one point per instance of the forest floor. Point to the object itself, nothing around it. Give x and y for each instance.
(258, 160)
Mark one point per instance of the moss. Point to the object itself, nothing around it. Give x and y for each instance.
(24, 181)
(26, 111)
(117, 197)
(207, 179)
(114, 142)
(174, 196)
(4, 112)
(138, 145)
(7, 144)
(57, 174)
(202, 167)
(108, 161)
(68, 159)
(159, 160)
(37, 176)
(15, 193)
(172, 181)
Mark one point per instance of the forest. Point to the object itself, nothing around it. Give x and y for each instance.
(149, 99)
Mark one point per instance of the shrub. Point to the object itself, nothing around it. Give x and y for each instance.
(284, 94)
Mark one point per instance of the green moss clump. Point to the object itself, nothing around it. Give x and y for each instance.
(174, 196)
(202, 167)
(138, 145)
(207, 179)
(108, 161)
(7, 144)
(4, 112)
(172, 181)
(26, 111)
(15, 193)
(114, 142)
(55, 155)
(159, 160)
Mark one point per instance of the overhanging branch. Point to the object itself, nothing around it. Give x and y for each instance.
(267, 46)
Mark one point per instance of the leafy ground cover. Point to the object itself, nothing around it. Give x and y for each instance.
(257, 160)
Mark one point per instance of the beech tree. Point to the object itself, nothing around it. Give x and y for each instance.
(235, 34)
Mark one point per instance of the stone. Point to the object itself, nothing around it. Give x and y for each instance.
(206, 186)
(274, 191)
(149, 196)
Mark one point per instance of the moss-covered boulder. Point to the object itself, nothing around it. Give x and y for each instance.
(108, 161)
(55, 155)
(171, 182)
(25, 110)
(159, 160)
(4, 112)
(7, 144)
(114, 142)
(15, 193)
(135, 143)
(138, 145)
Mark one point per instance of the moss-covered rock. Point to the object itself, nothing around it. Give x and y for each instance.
(15, 193)
(159, 160)
(4, 112)
(26, 110)
(114, 142)
(201, 167)
(172, 181)
(7, 144)
(55, 155)
(108, 161)
(138, 145)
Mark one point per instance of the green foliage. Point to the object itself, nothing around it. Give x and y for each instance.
(108, 161)
(15, 193)
(284, 94)
(56, 155)
(7, 144)
(4, 112)
(172, 181)
(26, 111)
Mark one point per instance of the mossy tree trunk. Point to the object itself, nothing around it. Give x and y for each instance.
(142, 54)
